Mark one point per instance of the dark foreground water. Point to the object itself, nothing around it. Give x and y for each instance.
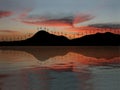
(60, 68)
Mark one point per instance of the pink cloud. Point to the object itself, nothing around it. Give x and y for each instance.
(5, 14)
(82, 18)
(46, 20)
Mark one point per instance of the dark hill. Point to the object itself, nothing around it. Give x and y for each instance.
(98, 39)
(43, 38)
(40, 38)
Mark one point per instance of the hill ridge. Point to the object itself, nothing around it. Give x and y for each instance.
(46, 39)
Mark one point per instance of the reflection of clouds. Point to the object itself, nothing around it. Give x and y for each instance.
(45, 79)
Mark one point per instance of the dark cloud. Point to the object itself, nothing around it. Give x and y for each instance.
(106, 25)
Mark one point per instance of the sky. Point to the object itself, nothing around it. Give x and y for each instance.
(27, 15)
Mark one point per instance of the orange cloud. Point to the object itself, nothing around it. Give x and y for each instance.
(5, 14)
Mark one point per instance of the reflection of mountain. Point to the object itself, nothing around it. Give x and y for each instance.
(63, 57)
(44, 38)
(43, 53)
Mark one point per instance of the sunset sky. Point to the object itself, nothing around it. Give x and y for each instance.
(27, 15)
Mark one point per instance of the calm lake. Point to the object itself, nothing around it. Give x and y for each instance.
(60, 68)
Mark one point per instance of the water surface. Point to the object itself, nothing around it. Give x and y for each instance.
(60, 68)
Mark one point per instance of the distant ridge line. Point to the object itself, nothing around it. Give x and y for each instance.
(43, 38)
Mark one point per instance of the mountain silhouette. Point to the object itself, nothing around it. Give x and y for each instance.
(98, 39)
(43, 38)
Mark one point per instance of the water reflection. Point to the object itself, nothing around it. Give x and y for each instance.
(62, 68)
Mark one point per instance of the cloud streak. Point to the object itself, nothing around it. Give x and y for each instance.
(106, 25)
(5, 14)
(53, 20)
(8, 31)
(48, 21)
